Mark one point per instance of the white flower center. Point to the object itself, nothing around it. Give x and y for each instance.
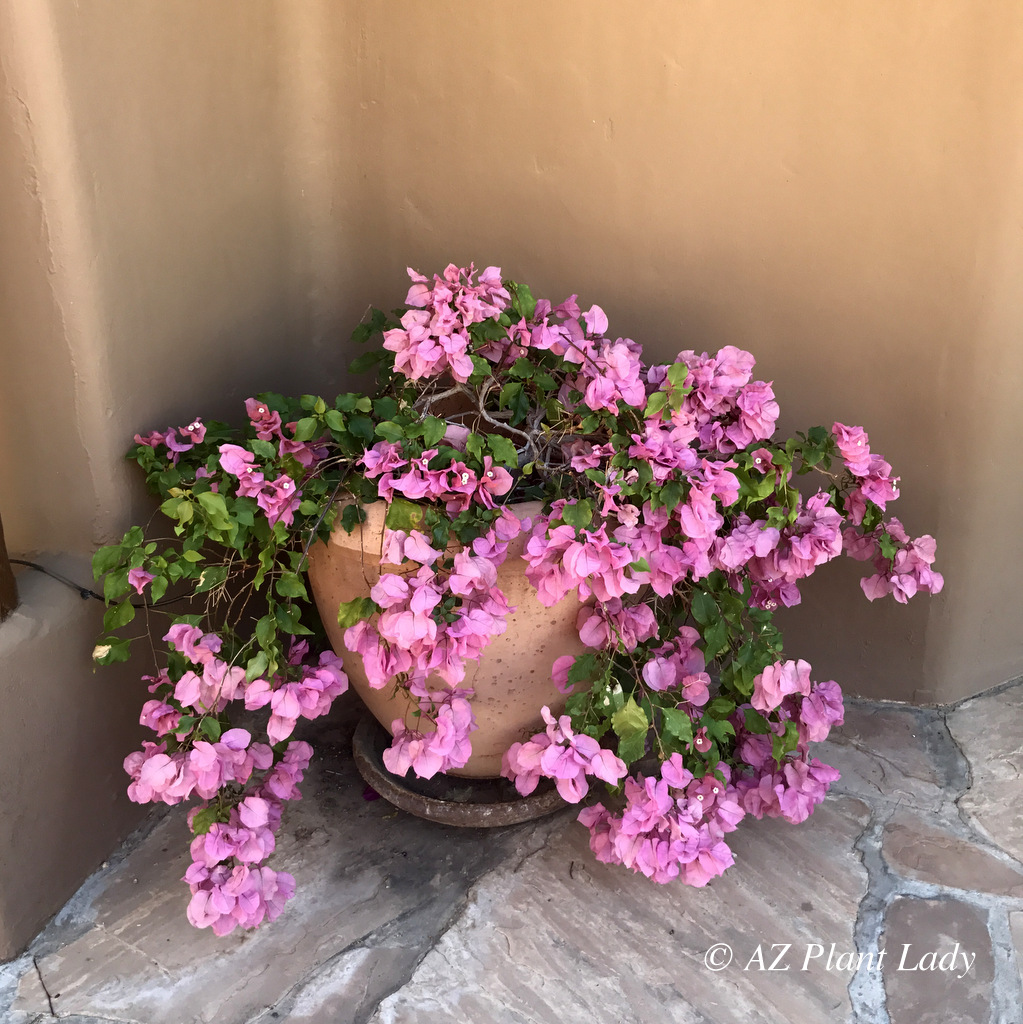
(465, 478)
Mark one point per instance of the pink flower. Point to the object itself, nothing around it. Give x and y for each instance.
(266, 422)
(279, 499)
(240, 462)
(138, 578)
(159, 716)
(429, 753)
(195, 645)
(562, 755)
(822, 709)
(777, 681)
(854, 446)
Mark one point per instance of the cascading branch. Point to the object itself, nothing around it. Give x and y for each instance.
(668, 506)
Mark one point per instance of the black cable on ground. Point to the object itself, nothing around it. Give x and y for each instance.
(84, 592)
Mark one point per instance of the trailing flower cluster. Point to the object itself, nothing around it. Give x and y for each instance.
(669, 509)
(243, 783)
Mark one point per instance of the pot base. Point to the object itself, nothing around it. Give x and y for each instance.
(468, 803)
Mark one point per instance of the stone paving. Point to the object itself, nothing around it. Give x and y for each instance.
(917, 853)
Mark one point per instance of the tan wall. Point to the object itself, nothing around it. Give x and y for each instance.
(199, 200)
(834, 186)
(154, 264)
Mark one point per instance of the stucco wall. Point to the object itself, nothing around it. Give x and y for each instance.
(835, 187)
(151, 268)
(199, 201)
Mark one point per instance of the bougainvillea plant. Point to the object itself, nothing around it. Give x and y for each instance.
(668, 505)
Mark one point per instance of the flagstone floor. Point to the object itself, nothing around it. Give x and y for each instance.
(900, 901)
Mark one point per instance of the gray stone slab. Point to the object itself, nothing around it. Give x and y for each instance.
(927, 979)
(1016, 930)
(131, 955)
(899, 755)
(561, 937)
(989, 730)
(930, 853)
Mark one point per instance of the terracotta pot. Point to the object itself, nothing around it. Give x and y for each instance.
(512, 679)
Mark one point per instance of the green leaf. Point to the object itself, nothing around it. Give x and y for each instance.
(264, 449)
(522, 368)
(360, 364)
(117, 616)
(385, 408)
(503, 450)
(244, 510)
(212, 576)
(578, 514)
(291, 584)
(630, 720)
(677, 723)
(403, 514)
(334, 420)
(474, 446)
(777, 748)
(720, 707)
(655, 404)
(192, 556)
(509, 393)
(522, 300)
(116, 585)
(715, 639)
(157, 588)
(306, 428)
(216, 508)
(362, 427)
(717, 729)
(203, 821)
(171, 507)
(433, 430)
(352, 516)
(351, 612)
(888, 547)
(632, 748)
(671, 494)
(266, 630)
(705, 609)
(107, 558)
(583, 669)
(288, 617)
(257, 665)
(677, 374)
(756, 723)
(211, 728)
(390, 431)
